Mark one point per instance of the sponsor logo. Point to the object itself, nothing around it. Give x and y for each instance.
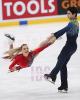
(13, 9)
(70, 3)
(64, 4)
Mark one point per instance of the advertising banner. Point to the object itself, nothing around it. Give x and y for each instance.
(13, 9)
(32, 9)
(64, 4)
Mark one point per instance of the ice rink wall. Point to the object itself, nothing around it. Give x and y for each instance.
(26, 12)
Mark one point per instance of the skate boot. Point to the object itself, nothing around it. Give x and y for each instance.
(62, 89)
(10, 37)
(49, 78)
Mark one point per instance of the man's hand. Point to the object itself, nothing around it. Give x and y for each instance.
(51, 39)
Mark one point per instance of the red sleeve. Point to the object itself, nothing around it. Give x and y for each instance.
(13, 64)
(38, 50)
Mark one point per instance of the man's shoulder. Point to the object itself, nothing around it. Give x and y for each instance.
(70, 25)
(74, 22)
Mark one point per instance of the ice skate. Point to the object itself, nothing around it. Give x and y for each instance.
(62, 89)
(10, 37)
(48, 78)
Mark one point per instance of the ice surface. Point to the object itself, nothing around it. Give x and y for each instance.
(29, 84)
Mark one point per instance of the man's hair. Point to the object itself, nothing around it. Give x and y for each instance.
(73, 10)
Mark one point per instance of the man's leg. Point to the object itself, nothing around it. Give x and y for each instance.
(64, 74)
(56, 69)
(63, 58)
(59, 64)
(63, 71)
(64, 82)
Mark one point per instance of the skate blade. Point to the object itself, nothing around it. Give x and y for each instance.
(62, 91)
(49, 80)
(13, 71)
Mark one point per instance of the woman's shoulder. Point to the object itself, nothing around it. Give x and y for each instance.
(31, 52)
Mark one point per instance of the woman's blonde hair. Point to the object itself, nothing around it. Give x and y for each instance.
(22, 46)
(19, 48)
(13, 52)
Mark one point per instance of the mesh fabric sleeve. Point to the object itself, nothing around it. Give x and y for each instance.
(62, 31)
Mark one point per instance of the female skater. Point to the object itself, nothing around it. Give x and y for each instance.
(22, 57)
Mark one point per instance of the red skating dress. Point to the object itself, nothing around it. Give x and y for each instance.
(24, 62)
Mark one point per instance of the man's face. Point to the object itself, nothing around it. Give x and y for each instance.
(70, 15)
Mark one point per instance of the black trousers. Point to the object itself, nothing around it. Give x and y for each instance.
(61, 65)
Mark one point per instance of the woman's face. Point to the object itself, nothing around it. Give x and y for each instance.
(25, 50)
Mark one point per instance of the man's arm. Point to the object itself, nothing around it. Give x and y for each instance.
(51, 39)
(56, 35)
(62, 31)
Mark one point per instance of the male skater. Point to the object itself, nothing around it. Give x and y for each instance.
(72, 30)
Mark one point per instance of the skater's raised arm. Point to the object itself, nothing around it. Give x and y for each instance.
(54, 36)
(62, 31)
(49, 40)
(44, 44)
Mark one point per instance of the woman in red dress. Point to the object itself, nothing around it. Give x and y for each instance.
(22, 57)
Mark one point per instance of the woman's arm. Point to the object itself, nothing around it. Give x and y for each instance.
(50, 40)
(12, 65)
(43, 45)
